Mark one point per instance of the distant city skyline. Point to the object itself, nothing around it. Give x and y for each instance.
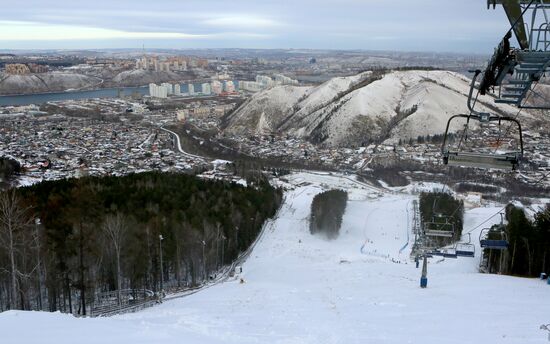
(462, 26)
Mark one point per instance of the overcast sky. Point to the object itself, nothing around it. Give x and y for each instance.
(422, 25)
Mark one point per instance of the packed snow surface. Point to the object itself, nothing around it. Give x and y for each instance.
(301, 288)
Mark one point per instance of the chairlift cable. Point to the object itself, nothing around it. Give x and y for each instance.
(485, 221)
(466, 125)
(499, 212)
(454, 212)
(447, 179)
(462, 138)
(535, 82)
(541, 95)
(515, 118)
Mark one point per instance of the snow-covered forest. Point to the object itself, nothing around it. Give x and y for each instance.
(62, 242)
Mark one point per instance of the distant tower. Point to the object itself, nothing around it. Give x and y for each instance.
(144, 64)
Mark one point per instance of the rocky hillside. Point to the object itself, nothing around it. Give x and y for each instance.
(47, 82)
(140, 77)
(369, 107)
(76, 80)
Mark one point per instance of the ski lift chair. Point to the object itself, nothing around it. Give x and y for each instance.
(488, 158)
(439, 229)
(465, 249)
(445, 253)
(482, 159)
(493, 238)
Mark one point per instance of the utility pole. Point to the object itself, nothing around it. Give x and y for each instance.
(161, 273)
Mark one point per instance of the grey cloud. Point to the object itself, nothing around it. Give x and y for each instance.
(427, 24)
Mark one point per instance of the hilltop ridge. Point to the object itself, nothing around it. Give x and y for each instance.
(368, 107)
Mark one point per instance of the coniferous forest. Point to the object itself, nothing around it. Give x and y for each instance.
(438, 210)
(327, 211)
(63, 241)
(528, 252)
(8, 167)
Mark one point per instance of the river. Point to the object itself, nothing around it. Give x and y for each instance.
(42, 98)
(58, 96)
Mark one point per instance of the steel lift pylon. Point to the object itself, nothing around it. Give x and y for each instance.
(513, 71)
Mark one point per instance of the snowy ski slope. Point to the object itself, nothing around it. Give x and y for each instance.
(301, 288)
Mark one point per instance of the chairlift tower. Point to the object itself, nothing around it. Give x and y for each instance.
(513, 71)
(424, 277)
(510, 76)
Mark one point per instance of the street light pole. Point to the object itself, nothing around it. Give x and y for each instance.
(223, 247)
(218, 247)
(37, 224)
(161, 273)
(204, 260)
(237, 239)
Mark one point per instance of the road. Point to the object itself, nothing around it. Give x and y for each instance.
(178, 142)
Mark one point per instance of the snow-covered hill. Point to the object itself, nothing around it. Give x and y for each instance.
(301, 288)
(366, 107)
(47, 82)
(138, 77)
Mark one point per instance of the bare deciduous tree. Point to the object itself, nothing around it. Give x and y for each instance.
(115, 228)
(14, 220)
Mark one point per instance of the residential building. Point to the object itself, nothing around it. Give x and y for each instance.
(17, 69)
(229, 87)
(157, 91)
(251, 86)
(216, 87)
(169, 88)
(206, 89)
